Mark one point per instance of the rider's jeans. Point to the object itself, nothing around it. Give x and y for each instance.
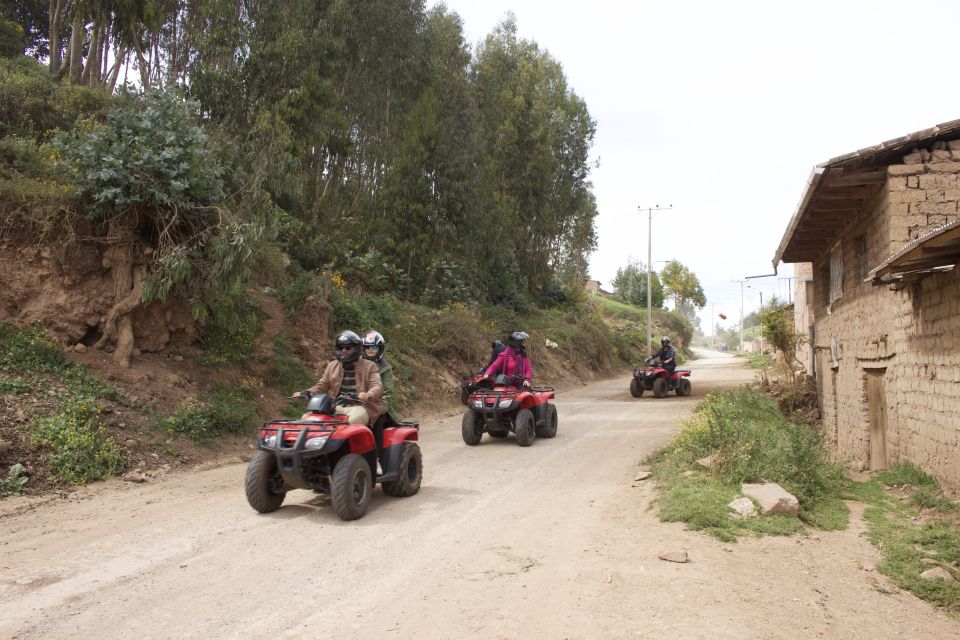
(357, 414)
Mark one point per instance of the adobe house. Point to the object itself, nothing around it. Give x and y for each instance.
(881, 230)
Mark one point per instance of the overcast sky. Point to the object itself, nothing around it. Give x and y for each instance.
(723, 108)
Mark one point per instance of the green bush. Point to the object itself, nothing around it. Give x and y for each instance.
(32, 102)
(226, 411)
(231, 334)
(14, 483)
(287, 373)
(294, 292)
(752, 440)
(83, 452)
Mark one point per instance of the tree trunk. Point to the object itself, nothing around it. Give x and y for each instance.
(127, 291)
(76, 49)
(89, 70)
(56, 6)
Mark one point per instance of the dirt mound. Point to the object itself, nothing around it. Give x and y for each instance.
(70, 292)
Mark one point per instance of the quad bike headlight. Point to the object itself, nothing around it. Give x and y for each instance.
(506, 402)
(270, 440)
(316, 442)
(478, 404)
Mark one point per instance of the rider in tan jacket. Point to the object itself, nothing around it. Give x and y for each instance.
(351, 375)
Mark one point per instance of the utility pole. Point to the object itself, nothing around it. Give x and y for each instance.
(650, 211)
(713, 326)
(741, 312)
(761, 315)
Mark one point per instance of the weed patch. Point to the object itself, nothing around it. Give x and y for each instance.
(230, 336)
(227, 410)
(910, 532)
(287, 373)
(749, 440)
(27, 353)
(83, 452)
(15, 481)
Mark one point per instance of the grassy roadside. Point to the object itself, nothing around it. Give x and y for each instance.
(909, 520)
(748, 439)
(916, 528)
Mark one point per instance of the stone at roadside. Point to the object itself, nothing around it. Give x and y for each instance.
(707, 463)
(937, 573)
(80, 347)
(674, 556)
(772, 498)
(688, 474)
(743, 507)
(130, 442)
(178, 358)
(245, 457)
(134, 476)
(642, 475)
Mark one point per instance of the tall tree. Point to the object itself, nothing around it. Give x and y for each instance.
(682, 285)
(630, 286)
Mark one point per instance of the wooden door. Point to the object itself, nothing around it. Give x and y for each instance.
(877, 409)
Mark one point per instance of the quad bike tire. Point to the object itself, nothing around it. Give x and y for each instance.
(684, 387)
(636, 388)
(472, 429)
(524, 427)
(352, 487)
(549, 427)
(262, 483)
(660, 387)
(411, 473)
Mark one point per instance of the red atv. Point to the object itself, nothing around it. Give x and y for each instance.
(655, 378)
(323, 452)
(494, 405)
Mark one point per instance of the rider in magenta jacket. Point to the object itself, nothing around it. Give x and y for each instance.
(513, 361)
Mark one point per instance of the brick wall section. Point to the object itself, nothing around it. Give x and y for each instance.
(802, 309)
(912, 334)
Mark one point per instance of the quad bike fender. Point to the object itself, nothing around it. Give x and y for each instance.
(394, 436)
(359, 436)
(531, 400)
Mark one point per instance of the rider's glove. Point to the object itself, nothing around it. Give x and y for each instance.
(526, 383)
(363, 396)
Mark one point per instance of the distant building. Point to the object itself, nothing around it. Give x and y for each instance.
(594, 286)
(880, 229)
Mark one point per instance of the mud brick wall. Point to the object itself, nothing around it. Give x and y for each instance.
(911, 335)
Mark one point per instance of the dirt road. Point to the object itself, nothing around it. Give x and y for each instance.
(550, 541)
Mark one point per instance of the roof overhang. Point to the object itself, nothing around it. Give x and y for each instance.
(839, 189)
(936, 251)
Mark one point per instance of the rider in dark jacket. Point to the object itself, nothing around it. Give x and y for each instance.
(666, 354)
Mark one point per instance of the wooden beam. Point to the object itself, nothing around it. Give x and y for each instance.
(857, 179)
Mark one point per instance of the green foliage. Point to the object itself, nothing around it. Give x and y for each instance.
(683, 286)
(12, 41)
(750, 440)
(287, 373)
(906, 474)
(29, 352)
(231, 333)
(293, 293)
(630, 286)
(225, 411)
(14, 483)
(32, 103)
(12, 386)
(152, 155)
(83, 452)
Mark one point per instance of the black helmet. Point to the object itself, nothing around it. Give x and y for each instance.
(373, 346)
(348, 347)
(665, 341)
(515, 340)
